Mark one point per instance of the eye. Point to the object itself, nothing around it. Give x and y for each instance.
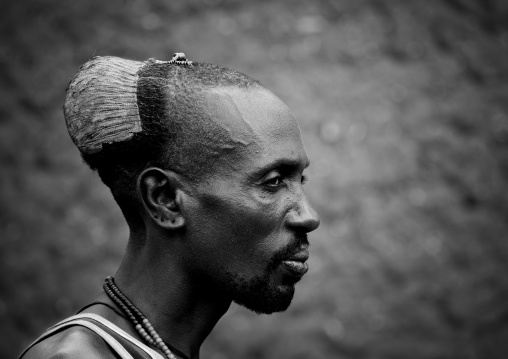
(274, 179)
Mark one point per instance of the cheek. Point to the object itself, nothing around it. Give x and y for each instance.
(242, 217)
(236, 223)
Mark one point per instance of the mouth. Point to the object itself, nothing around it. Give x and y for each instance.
(296, 264)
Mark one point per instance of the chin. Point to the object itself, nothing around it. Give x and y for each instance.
(270, 304)
(261, 297)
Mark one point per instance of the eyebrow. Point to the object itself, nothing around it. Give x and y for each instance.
(288, 163)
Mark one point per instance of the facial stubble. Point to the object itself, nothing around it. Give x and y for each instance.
(258, 293)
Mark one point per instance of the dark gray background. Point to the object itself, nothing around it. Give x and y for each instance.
(404, 112)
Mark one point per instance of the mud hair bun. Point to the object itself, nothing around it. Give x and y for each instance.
(101, 104)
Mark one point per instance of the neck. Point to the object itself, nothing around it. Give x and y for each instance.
(154, 281)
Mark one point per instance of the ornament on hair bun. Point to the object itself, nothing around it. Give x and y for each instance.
(177, 59)
(180, 59)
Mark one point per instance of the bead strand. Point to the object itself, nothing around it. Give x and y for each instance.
(112, 291)
(111, 283)
(145, 328)
(126, 310)
(159, 342)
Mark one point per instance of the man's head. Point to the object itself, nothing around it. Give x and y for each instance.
(217, 161)
(126, 115)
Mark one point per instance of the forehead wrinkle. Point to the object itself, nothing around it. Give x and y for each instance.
(255, 126)
(215, 138)
(225, 113)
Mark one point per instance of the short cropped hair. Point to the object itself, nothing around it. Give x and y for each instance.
(176, 134)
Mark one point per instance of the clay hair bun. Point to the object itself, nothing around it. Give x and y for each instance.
(101, 103)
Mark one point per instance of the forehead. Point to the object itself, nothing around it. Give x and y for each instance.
(260, 123)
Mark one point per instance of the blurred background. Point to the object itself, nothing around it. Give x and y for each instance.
(403, 107)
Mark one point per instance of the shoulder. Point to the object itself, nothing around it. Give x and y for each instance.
(75, 342)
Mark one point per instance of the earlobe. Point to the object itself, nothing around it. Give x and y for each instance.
(158, 190)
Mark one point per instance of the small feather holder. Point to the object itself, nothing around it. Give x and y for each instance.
(101, 103)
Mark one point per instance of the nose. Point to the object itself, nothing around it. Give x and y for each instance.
(303, 217)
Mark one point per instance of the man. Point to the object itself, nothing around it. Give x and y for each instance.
(207, 167)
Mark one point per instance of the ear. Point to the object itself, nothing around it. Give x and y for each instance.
(160, 193)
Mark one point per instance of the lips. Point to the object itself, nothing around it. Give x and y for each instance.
(297, 263)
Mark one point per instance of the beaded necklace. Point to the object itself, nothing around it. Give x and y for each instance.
(141, 323)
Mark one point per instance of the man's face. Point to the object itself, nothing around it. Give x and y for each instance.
(247, 222)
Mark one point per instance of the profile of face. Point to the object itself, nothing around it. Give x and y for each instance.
(248, 221)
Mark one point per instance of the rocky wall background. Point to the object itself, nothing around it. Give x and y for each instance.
(404, 110)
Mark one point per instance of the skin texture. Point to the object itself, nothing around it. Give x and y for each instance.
(253, 212)
(203, 245)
